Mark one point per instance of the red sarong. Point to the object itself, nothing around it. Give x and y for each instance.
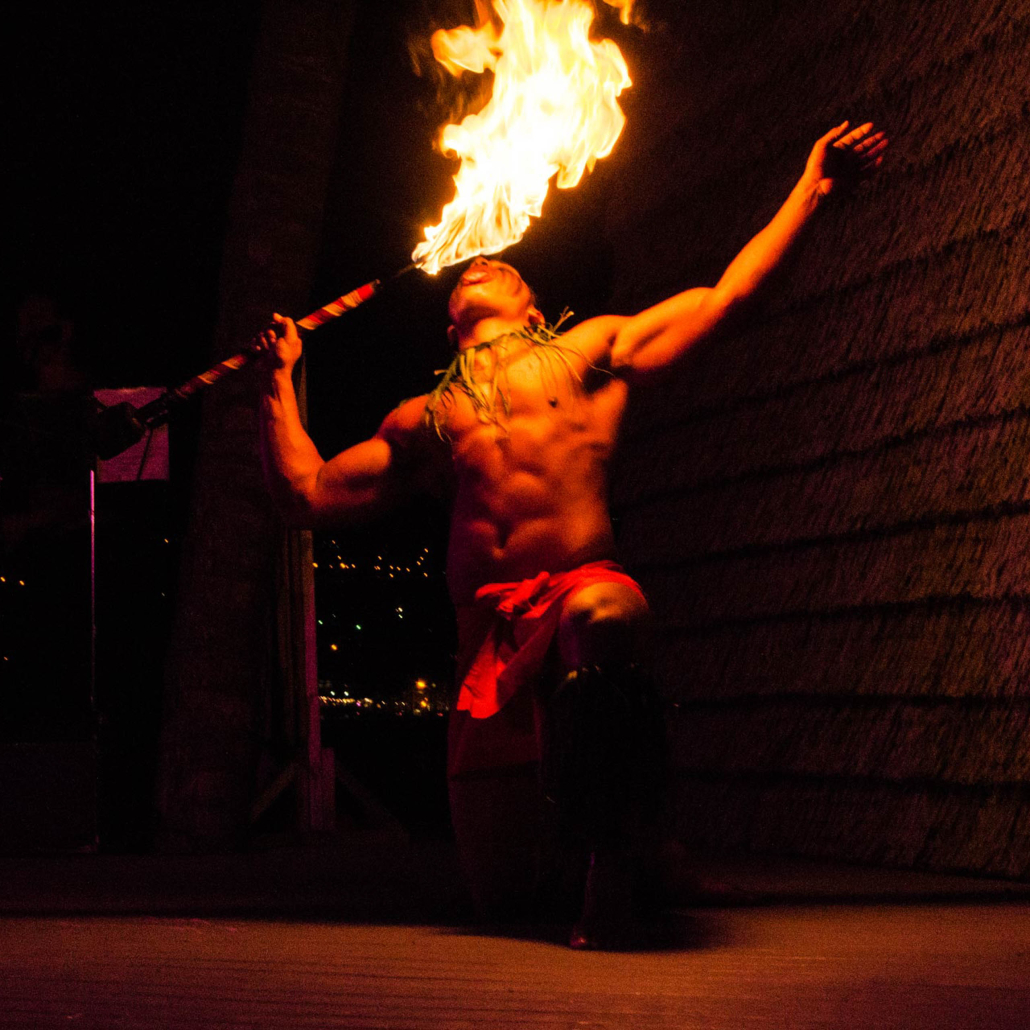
(505, 638)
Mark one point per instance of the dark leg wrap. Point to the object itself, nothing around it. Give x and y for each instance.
(604, 754)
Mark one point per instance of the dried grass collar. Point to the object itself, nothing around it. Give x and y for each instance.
(485, 394)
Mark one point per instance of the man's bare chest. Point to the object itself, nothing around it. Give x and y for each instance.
(528, 409)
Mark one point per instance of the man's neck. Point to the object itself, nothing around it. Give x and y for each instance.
(486, 329)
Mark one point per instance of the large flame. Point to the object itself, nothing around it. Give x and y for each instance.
(553, 110)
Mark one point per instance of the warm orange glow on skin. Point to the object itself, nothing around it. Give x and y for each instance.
(553, 111)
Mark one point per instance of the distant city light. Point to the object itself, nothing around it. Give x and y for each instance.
(394, 573)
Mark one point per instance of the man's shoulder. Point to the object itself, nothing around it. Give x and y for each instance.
(416, 452)
(592, 341)
(595, 336)
(406, 421)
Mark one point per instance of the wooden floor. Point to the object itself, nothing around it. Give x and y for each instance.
(936, 965)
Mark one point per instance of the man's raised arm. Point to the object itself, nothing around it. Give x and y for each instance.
(309, 492)
(657, 337)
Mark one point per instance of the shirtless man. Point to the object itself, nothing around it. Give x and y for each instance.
(518, 444)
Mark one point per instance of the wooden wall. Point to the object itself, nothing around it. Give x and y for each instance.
(831, 509)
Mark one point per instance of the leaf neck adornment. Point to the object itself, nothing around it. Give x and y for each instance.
(490, 394)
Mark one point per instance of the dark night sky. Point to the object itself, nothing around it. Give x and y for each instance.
(127, 126)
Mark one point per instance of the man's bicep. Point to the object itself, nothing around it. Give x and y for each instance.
(658, 336)
(369, 478)
(357, 482)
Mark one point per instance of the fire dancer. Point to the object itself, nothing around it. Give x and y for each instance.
(517, 438)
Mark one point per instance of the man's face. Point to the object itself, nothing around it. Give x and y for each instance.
(490, 289)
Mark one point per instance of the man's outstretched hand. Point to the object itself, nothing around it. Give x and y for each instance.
(841, 159)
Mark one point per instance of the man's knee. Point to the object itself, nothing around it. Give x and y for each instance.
(602, 624)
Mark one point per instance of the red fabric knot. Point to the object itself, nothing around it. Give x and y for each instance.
(526, 617)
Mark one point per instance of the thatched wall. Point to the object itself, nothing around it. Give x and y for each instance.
(831, 510)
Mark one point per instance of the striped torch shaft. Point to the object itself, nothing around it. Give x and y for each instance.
(335, 308)
(324, 314)
(156, 412)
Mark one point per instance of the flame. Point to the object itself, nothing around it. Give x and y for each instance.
(553, 111)
(625, 9)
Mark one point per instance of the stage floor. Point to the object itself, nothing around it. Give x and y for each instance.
(367, 932)
(935, 966)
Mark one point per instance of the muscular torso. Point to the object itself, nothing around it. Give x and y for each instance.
(528, 491)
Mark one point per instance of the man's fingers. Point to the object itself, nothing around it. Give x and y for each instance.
(833, 134)
(872, 157)
(874, 151)
(853, 139)
(868, 142)
(854, 136)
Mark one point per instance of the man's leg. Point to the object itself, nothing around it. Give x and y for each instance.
(603, 624)
(604, 749)
(497, 819)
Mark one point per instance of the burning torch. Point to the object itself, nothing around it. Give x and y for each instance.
(120, 426)
(553, 111)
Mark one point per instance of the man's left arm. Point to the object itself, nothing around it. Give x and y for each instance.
(659, 336)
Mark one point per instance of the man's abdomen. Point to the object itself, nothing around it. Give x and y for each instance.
(482, 550)
(531, 495)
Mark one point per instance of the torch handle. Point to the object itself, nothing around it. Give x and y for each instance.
(158, 411)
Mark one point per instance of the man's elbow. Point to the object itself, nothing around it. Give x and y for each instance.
(723, 304)
(297, 512)
(729, 303)
(297, 504)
